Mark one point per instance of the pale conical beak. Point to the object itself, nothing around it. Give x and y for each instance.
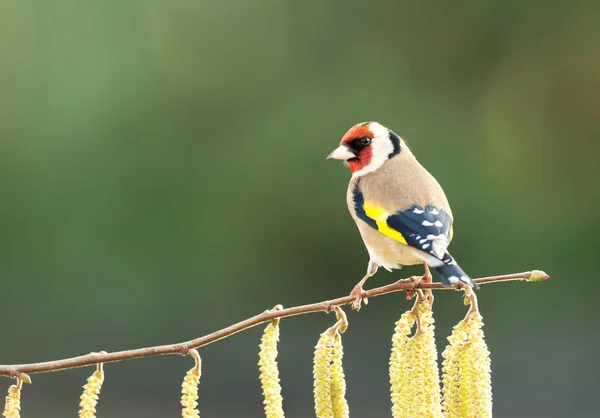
(341, 153)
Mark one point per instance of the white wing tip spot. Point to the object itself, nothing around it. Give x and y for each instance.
(434, 211)
(453, 279)
(425, 246)
(439, 224)
(427, 223)
(418, 211)
(436, 237)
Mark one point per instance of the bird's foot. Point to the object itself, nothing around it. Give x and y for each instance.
(357, 292)
(416, 281)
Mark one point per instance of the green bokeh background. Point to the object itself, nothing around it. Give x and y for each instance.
(163, 175)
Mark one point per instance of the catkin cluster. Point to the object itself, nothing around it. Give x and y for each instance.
(91, 392)
(467, 383)
(414, 378)
(413, 370)
(269, 372)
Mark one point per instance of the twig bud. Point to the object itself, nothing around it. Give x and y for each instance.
(537, 276)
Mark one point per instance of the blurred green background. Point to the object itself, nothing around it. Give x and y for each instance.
(163, 175)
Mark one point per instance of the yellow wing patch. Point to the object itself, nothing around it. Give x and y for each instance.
(380, 215)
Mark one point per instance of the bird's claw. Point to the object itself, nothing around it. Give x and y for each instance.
(416, 281)
(357, 292)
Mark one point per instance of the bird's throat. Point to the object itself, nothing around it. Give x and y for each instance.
(362, 160)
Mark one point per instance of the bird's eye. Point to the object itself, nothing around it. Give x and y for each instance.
(365, 140)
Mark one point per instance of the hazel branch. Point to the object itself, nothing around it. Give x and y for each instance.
(184, 348)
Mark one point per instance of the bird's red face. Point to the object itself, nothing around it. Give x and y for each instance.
(355, 148)
(366, 146)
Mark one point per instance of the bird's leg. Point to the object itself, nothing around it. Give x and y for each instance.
(358, 290)
(427, 278)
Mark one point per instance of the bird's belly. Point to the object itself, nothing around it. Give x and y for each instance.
(391, 254)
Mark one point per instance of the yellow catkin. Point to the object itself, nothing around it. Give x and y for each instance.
(414, 374)
(321, 375)
(189, 389)
(12, 406)
(269, 373)
(398, 372)
(467, 390)
(330, 383)
(450, 373)
(91, 392)
(426, 381)
(337, 379)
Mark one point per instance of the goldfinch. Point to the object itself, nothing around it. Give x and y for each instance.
(400, 209)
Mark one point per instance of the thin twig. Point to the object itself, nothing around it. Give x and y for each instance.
(185, 347)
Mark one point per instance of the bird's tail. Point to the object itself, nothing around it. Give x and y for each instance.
(451, 273)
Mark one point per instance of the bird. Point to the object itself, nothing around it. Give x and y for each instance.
(400, 209)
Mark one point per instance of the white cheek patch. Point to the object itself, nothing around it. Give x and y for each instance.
(379, 155)
(382, 147)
